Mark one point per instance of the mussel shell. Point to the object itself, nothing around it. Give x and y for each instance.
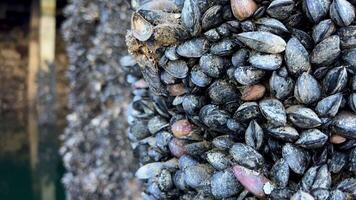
(338, 161)
(297, 158)
(246, 156)
(194, 48)
(342, 12)
(329, 106)
(141, 28)
(280, 172)
(212, 65)
(286, 133)
(347, 36)
(212, 17)
(192, 103)
(296, 57)
(191, 16)
(247, 111)
(224, 184)
(273, 110)
(221, 92)
(247, 75)
(271, 25)
(280, 9)
(266, 61)
(337, 195)
(312, 138)
(323, 30)
(214, 118)
(212, 35)
(345, 125)
(263, 41)
(177, 69)
(254, 135)
(199, 78)
(280, 87)
(171, 53)
(335, 80)
(303, 117)
(307, 90)
(224, 47)
(352, 102)
(240, 57)
(326, 52)
(196, 176)
(349, 57)
(218, 159)
(316, 10)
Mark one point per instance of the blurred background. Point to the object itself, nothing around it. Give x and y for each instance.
(63, 101)
(30, 166)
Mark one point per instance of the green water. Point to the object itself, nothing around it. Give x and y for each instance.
(25, 175)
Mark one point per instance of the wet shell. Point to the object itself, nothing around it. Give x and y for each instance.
(273, 110)
(247, 75)
(271, 25)
(312, 138)
(297, 57)
(212, 17)
(224, 184)
(296, 158)
(247, 111)
(316, 10)
(280, 86)
(141, 28)
(212, 65)
(345, 124)
(254, 135)
(323, 30)
(300, 195)
(329, 106)
(182, 128)
(199, 78)
(214, 118)
(194, 48)
(280, 9)
(263, 41)
(242, 9)
(191, 16)
(224, 47)
(303, 117)
(221, 92)
(326, 52)
(240, 57)
(286, 133)
(177, 69)
(280, 173)
(307, 90)
(253, 181)
(266, 61)
(246, 156)
(335, 80)
(253, 92)
(342, 12)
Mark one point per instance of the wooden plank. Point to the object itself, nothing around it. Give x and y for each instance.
(47, 33)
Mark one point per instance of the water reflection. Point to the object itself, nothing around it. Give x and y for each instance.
(30, 167)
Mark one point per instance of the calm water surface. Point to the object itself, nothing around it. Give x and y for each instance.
(30, 167)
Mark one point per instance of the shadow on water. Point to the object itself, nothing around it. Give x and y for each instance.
(30, 166)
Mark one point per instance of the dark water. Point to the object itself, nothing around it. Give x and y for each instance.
(30, 167)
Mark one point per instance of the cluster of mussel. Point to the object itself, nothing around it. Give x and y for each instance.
(94, 139)
(244, 99)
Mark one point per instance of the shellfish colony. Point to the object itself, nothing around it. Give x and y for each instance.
(244, 99)
(96, 153)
